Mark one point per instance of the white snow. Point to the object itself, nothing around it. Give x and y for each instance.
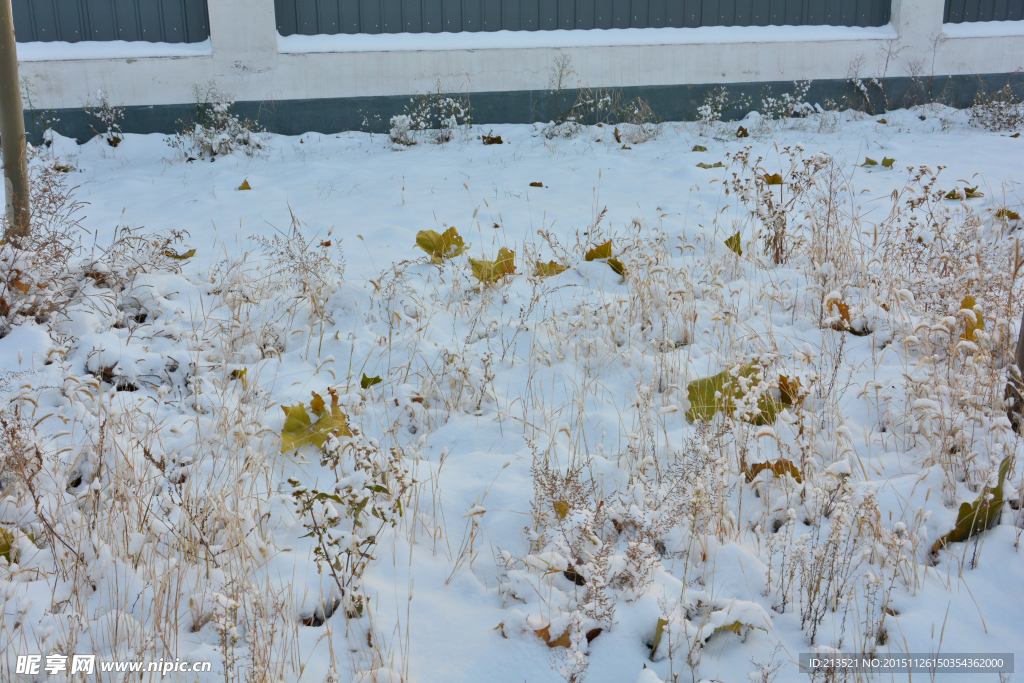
(480, 387)
(984, 29)
(38, 51)
(482, 40)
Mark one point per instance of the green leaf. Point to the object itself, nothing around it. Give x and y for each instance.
(550, 268)
(300, 430)
(742, 133)
(699, 148)
(980, 515)
(180, 257)
(368, 382)
(720, 392)
(492, 271)
(658, 630)
(599, 252)
(448, 244)
(868, 161)
(734, 244)
(887, 162)
(717, 164)
(773, 179)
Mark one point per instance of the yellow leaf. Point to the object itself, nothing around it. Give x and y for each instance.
(240, 374)
(710, 395)
(245, 185)
(317, 404)
(561, 641)
(550, 268)
(1008, 214)
(368, 382)
(561, 508)
(440, 245)
(968, 193)
(844, 310)
(736, 627)
(742, 133)
(973, 518)
(975, 322)
(790, 390)
(601, 251)
(492, 271)
(887, 162)
(8, 548)
(658, 630)
(773, 179)
(778, 468)
(180, 257)
(734, 244)
(18, 283)
(868, 161)
(717, 164)
(299, 429)
(699, 148)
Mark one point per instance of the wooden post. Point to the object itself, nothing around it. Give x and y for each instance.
(1015, 384)
(12, 132)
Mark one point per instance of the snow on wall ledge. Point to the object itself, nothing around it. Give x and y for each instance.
(247, 58)
(615, 37)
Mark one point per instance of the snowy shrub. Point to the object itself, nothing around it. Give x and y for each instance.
(401, 130)
(786, 105)
(637, 122)
(1002, 110)
(434, 117)
(718, 102)
(34, 271)
(107, 116)
(348, 520)
(216, 129)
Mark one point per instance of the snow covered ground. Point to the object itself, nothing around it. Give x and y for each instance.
(534, 503)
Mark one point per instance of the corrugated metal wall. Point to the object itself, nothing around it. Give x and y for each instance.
(310, 17)
(959, 11)
(167, 21)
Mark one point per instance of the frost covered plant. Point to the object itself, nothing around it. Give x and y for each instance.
(347, 521)
(107, 116)
(787, 104)
(776, 198)
(34, 272)
(401, 131)
(637, 122)
(433, 117)
(310, 266)
(217, 130)
(718, 102)
(1002, 110)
